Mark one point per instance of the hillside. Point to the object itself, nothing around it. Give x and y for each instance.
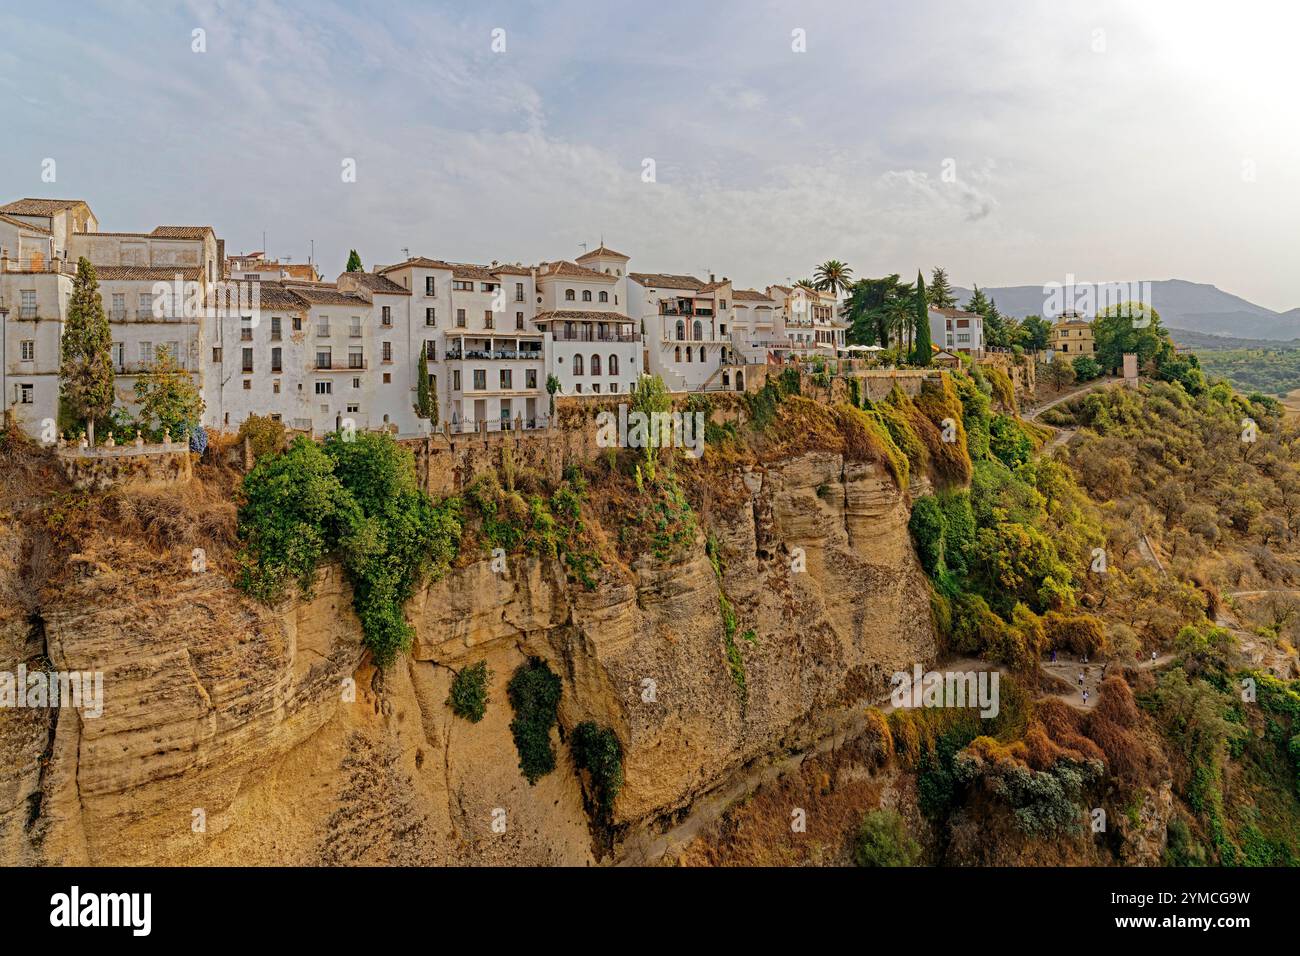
(1194, 306)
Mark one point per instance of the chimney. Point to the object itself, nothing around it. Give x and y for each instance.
(712, 277)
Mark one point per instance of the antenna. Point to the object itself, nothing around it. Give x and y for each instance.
(406, 251)
(584, 246)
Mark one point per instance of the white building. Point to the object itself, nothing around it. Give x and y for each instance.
(957, 331)
(686, 324)
(593, 346)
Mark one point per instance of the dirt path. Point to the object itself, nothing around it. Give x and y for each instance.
(1034, 412)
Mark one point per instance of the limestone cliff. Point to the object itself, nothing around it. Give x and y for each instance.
(234, 733)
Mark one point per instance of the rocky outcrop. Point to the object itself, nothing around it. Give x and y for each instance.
(233, 733)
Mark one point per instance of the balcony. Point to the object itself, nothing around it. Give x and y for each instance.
(512, 354)
(339, 366)
(560, 334)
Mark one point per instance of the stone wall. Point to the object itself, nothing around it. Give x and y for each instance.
(137, 465)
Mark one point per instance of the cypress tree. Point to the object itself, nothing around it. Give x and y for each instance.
(354, 262)
(86, 365)
(426, 402)
(921, 352)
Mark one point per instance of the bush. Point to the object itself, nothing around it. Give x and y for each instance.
(534, 693)
(468, 697)
(265, 435)
(1085, 368)
(883, 840)
(597, 751)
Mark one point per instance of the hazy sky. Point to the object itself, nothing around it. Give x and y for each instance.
(1114, 141)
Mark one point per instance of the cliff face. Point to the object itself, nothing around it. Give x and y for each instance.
(233, 733)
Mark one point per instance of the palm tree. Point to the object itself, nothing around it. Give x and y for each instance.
(808, 284)
(899, 317)
(834, 276)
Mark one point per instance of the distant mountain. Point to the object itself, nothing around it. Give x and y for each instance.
(1204, 342)
(1195, 306)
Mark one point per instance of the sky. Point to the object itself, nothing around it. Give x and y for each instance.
(1009, 142)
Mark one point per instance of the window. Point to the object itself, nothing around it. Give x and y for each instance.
(487, 319)
(431, 349)
(519, 322)
(429, 286)
(388, 351)
(324, 357)
(356, 358)
(119, 355)
(604, 296)
(275, 328)
(577, 365)
(248, 360)
(596, 387)
(681, 331)
(701, 353)
(216, 354)
(28, 303)
(324, 388)
(386, 315)
(354, 328)
(462, 286)
(722, 304)
(569, 295)
(431, 317)
(353, 408)
(519, 292)
(530, 378)
(146, 353)
(248, 384)
(613, 365)
(595, 365)
(119, 305)
(455, 379)
(356, 383)
(28, 393)
(688, 353)
(275, 416)
(28, 350)
(275, 387)
(323, 327)
(487, 286)
(586, 295)
(677, 354)
(460, 318)
(388, 378)
(699, 330)
(297, 323)
(246, 329)
(144, 305)
(507, 378)
(480, 379)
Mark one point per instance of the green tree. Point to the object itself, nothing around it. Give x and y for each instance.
(1033, 333)
(168, 399)
(354, 262)
(426, 399)
(940, 291)
(1085, 368)
(1129, 327)
(978, 301)
(996, 327)
(834, 276)
(552, 386)
(86, 366)
(883, 840)
(921, 352)
(871, 312)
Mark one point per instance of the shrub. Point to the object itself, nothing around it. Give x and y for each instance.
(468, 697)
(265, 435)
(1079, 633)
(1085, 368)
(534, 693)
(597, 751)
(883, 840)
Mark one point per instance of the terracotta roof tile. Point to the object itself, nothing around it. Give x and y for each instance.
(578, 314)
(602, 250)
(40, 207)
(665, 280)
(572, 270)
(145, 273)
(749, 295)
(181, 232)
(374, 282)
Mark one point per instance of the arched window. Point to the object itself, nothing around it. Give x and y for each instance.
(577, 365)
(586, 295)
(681, 330)
(677, 354)
(595, 365)
(688, 353)
(604, 297)
(613, 365)
(568, 295)
(699, 330)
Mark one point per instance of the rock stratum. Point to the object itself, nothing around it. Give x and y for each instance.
(233, 733)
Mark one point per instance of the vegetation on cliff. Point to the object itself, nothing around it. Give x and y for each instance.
(534, 692)
(356, 499)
